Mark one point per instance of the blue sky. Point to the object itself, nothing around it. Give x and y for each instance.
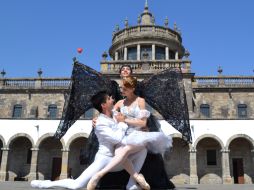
(46, 33)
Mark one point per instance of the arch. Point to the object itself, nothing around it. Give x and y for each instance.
(3, 141)
(208, 136)
(20, 135)
(45, 136)
(248, 138)
(74, 137)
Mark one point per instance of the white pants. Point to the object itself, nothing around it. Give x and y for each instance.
(99, 163)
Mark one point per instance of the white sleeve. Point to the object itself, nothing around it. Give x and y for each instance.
(110, 135)
(143, 114)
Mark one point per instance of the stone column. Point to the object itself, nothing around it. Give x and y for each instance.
(138, 52)
(153, 52)
(116, 55)
(225, 167)
(125, 53)
(64, 168)
(193, 167)
(176, 55)
(5, 152)
(252, 155)
(166, 53)
(33, 167)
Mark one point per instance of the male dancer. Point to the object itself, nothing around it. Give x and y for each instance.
(109, 133)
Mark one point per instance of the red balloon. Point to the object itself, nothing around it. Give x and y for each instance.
(80, 50)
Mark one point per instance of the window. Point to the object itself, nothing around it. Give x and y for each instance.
(242, 110)
(160, 53)
(171, 55)
(211, 157)
(205, 110)
(29, 156)
(146, 53)
(132, 53)
(52, 111)
(17, 111)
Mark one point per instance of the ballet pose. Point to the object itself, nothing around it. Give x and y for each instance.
(135, 114)
(163, 91)
(109, 134)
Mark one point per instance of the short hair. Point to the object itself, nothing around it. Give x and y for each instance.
(120, 70)
(130, 82)
(98, 99)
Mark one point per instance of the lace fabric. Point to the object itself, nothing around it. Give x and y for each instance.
(171, 104)
(165, 92)
(85, 82)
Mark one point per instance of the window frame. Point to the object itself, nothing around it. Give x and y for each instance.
(17, 111)
(205, 108)
(242, 106)
(51, 106)
(213, 162)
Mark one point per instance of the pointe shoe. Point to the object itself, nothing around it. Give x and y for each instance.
(42, 184)
(93, 182)
(35, 183)
(142, 182)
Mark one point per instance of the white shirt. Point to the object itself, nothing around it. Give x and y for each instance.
(109, 133)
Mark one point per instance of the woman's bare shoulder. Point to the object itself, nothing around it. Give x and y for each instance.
(119, 103)
(141, 100)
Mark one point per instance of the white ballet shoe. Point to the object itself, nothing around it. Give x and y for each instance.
(35, 183)
(141, 181)
(45, 184)
(42, 184)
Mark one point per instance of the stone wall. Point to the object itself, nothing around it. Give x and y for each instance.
(30, 103)
(222, 104)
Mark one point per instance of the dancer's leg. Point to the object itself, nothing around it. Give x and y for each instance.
(137, 160)
(120, 157)
(100, 162)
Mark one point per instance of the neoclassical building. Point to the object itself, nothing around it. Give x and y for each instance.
(221, 110)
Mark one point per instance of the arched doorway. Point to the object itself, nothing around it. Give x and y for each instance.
(50, 159)
(241, 162)
(19, 159)
(77, 161)
(209, 163)
(177, 162)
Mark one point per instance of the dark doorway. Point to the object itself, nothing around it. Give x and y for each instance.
(238, 170)
(56, 168)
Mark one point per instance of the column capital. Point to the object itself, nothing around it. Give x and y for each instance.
(5, 149)
(192, 150)
(34, 149)
(65, 150)
(224, 150)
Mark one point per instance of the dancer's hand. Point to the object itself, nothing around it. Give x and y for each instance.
(94, 121)
(120, 117)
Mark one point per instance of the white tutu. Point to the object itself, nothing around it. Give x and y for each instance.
(155, 142)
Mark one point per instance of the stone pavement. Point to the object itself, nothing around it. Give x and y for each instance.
(25, 186)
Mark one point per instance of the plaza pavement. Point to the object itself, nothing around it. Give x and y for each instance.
(25, 186)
